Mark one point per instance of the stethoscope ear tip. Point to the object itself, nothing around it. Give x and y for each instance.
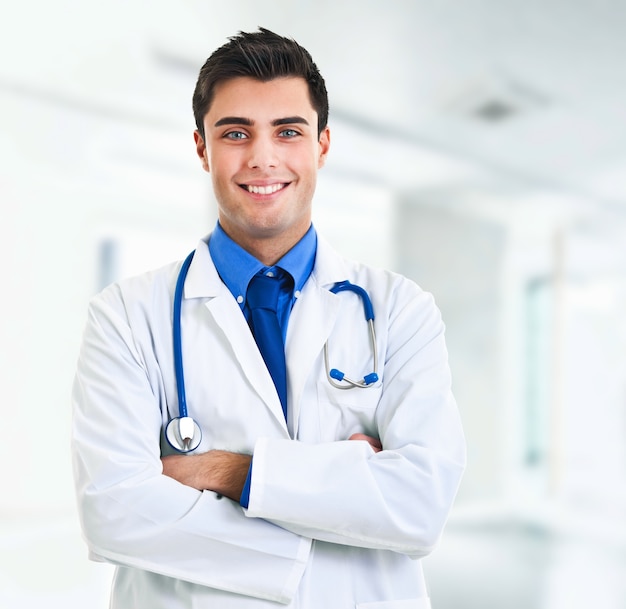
(336, 374)
(368, 379)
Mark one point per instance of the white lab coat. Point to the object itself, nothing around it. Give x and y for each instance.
(330, 523)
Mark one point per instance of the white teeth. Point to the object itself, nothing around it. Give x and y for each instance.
(265, 190)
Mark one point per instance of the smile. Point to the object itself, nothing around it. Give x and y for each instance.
(270, 189)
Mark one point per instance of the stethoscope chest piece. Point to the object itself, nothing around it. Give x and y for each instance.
(183, 434)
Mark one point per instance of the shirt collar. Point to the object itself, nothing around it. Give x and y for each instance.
(300, 259)
(236, 267)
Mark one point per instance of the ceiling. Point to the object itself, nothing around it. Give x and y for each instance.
(526, 97)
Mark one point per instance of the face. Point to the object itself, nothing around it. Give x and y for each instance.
(263, 153)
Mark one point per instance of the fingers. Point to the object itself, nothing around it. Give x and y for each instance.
(373, 442)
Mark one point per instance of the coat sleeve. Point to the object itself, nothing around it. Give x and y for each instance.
(397, 499)
(133, 515)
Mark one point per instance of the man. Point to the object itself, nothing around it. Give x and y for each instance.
(300, 493)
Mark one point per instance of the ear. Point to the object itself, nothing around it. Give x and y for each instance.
(324, 145)
(201, 150)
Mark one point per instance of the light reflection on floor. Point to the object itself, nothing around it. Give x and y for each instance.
(517, 565)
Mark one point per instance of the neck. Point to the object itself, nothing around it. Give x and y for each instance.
(267, 249)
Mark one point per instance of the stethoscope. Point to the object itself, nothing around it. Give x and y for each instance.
(183, 432)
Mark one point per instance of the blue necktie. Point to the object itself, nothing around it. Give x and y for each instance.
(262, 297)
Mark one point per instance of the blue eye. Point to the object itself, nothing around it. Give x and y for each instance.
(289, 133)
(235, 135)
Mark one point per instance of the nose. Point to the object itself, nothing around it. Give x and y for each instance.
(263, 154)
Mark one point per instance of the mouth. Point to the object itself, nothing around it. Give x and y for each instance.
(268, 189)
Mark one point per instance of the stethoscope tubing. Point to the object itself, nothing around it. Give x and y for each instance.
(336, 377)
(182, 432)
(177, 336)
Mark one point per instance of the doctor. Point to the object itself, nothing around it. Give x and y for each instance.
(300, 493)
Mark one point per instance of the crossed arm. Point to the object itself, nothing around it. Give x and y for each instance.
(221, 471)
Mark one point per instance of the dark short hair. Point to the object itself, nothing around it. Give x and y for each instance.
(265, 56)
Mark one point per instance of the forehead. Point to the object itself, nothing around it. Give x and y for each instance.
(250, 98)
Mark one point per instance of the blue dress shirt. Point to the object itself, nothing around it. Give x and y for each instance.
(236, 267)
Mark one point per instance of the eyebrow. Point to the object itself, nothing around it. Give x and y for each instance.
(240, 120)
(290, 120)
(234, 120)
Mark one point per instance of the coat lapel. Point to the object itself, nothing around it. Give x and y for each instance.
(203, 281)
(229, 318)
(311, 323)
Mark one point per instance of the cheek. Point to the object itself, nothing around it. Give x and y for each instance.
(224, 159)
(307, 164)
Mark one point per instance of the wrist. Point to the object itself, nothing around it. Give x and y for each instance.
(228, 472)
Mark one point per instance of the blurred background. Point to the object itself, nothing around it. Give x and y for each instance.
(478, 147)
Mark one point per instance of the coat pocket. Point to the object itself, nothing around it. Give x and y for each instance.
(340, 413)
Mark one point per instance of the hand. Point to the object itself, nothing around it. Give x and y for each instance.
(373, 442)
(217, 470)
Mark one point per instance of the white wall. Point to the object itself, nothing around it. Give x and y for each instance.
(459, 258)
(62, 194)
